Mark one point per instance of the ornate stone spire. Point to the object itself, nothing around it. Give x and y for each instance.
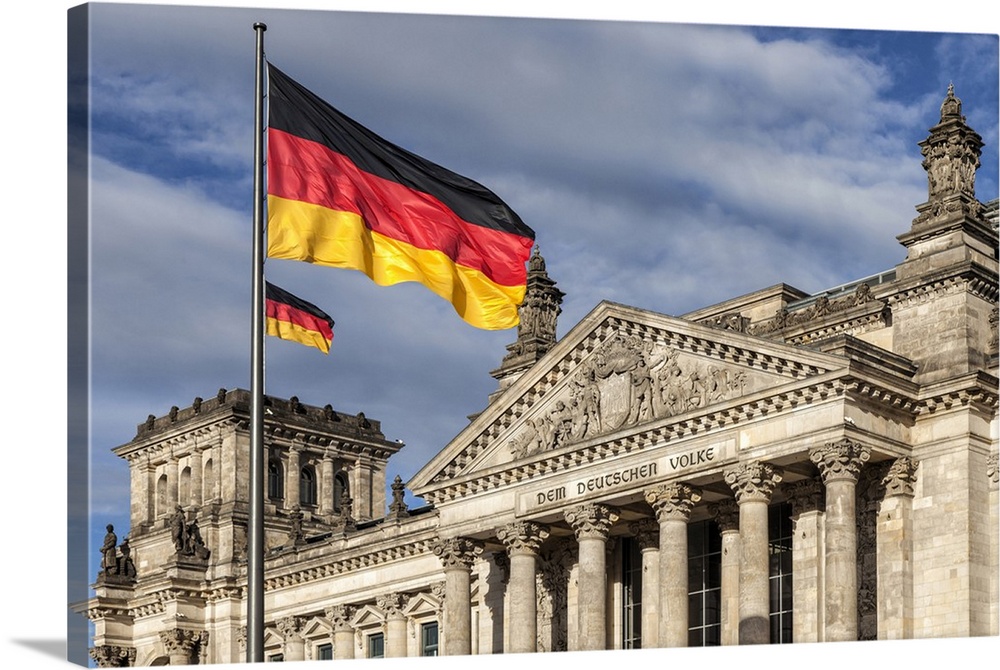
(952, 220)
(951, 152)
(536, 332)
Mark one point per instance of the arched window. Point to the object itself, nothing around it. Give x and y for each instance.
(275, 484)
(162, 506)
(208, 482)
(184, 487)
(340, 490)
(307, 486)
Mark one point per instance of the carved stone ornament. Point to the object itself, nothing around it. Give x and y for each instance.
(628, 380)
(523, 537)
(290, 627)
(806, 496)
(727, 514)
(458, 552)
(340, 616)
(673, 501)
(992, 471)
(901, 477)
(840, 460)
(591, 520)
(646, 533)
(392, 604)
(110, 656)
(754, 481)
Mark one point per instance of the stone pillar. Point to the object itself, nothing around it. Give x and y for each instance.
(522, 539)
(343, 634)
(727, 515)
(290, 629)
(292, 474)
(806, 499)
(894, 537)
(457, 555)
(196, 478)
(395, 624)
(672, 504)
(840, 464)
(592, 524)
(325, 493)
(109, 656)
(173, 482)
(753, 483)
(647, 536)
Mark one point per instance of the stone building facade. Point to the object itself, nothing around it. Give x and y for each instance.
(780, 467)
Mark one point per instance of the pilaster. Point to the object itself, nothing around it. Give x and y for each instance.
(894, 533)
(806, 498)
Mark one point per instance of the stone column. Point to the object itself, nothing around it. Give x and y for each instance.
(647, 536)
(196, 481)
(840, 464)
(395, 624)
(753, 483)
(727, 515)
(592, 525)
(292, 474)
(343, 634)
(108, 656)
(457, 554)
(290, 629)
(894, 537)
(522, 539)
(806, 499)
(173, 483)
(325, 493)
(672, 504)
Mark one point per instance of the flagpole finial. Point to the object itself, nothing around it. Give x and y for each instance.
(259, 26)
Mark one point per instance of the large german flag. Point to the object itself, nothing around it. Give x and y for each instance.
(340, 195)
(292, 318)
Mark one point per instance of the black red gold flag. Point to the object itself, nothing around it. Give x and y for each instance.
(341, 196)
(292, 318)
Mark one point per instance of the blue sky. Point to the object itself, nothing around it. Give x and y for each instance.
(666, 166)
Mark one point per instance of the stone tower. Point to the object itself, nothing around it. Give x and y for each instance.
(536, 332)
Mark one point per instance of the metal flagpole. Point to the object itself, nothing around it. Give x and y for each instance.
(255, 530)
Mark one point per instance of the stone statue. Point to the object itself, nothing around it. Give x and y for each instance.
(125, 565)
(178, 530)
(194, 545)
(109, 562)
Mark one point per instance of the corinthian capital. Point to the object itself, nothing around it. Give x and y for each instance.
(108, 656)
(646, 532)
(340, 616)
(458, 552)
(290, 627)
(591, 520)
(392, 604)
(673, 501)
(840, 460)
(523, 537)
(754, 481)
(901, 477)
(726, 513)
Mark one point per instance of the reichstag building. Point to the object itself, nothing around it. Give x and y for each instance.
(780, 467)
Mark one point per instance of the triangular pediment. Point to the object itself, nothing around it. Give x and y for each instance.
(620, 368)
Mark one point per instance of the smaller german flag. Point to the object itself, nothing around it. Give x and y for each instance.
(294, 319)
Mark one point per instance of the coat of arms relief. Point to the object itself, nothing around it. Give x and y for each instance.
(626, 381)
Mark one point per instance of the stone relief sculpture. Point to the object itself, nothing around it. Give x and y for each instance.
(627, 381)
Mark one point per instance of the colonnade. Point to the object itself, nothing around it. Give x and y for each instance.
(745, 597)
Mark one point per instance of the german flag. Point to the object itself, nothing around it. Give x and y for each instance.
(294, 319)
(341, 196)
